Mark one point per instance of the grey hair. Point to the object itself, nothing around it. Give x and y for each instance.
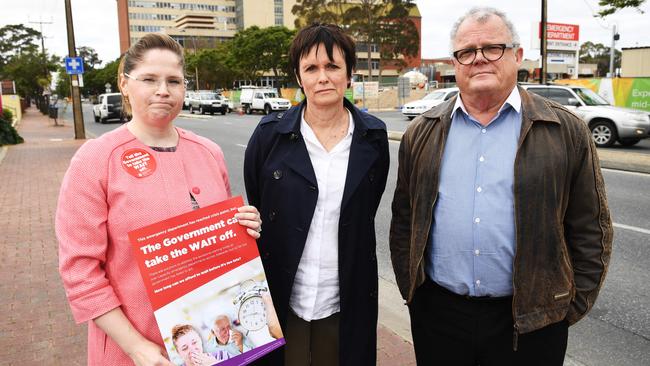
(481, 14)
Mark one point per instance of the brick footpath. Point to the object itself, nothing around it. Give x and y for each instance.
(37, 327)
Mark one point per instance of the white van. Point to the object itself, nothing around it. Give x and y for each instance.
(262, 99)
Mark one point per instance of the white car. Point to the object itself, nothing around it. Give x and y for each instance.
(109, 106)
(416, 108)
(607, 123)
(262, 99)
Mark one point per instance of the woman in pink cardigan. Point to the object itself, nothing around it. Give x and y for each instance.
(140, 173)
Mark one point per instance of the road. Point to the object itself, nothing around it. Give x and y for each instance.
(616, 332)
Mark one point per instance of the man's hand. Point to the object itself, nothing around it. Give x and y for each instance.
(238, 338)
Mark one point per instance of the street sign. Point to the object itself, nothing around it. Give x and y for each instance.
(74, 65)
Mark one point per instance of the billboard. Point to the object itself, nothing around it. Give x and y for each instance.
(559, 36)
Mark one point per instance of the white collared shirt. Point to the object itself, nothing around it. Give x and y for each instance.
(315, 293)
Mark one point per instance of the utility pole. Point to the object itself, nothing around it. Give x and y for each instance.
(45, 72)
(612, 51)
(542, 48)
(79, 131)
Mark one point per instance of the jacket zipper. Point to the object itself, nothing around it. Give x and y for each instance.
(515, 333)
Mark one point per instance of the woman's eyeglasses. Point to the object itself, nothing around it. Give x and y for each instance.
(175, 84)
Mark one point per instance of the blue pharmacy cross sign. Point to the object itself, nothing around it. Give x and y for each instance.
(74, 65)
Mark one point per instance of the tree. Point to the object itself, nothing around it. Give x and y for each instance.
(384, 23)
(213, 66)
(612, 6)
(96, 79)
(255, 50)
(322, 11)
(16, 39)
(597, 53)
(90, 57)
(27, 70)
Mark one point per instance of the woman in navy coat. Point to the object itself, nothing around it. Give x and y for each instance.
(317, 173)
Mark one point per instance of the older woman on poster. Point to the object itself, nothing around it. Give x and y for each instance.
(103, 197)
(317, 173)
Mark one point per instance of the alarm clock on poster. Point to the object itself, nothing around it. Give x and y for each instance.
(251, 311)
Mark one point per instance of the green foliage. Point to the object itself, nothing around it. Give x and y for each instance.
(612, 6)
(96, 79)
(255, 50)
(90, 57)
(597, 53)
(322, 11)
(30, 72)
(212, 66)
(8, 134)
(17, 39)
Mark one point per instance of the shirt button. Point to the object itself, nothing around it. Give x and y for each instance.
(481, 159)
(196, 190)
(483, 130)
(477, 252)
(477, 220)
(478, 282)
(479, 189)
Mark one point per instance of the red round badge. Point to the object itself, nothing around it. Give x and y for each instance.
(138, 162)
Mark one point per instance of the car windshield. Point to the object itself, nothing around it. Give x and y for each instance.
(209, 96)
(114, 99)
(590, 97)
(435, 95)
(270, 95)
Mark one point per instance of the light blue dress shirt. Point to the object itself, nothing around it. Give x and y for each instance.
(472, 240)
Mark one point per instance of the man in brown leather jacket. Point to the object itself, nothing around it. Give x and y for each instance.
(501, 235)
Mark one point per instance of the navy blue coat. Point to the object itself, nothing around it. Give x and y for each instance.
(281, 183)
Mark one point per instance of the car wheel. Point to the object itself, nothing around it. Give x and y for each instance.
(248, 109)
(223, 111)
(603, 133)
(103, 120)
(267, 109)
(191, 110)
(410, 117)
(201, 111)
(629, 142)
(212, 113)
(96, 118)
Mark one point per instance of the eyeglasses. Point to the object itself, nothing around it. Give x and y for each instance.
(491, 52)
(173, 84)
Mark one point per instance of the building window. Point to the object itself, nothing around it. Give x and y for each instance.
(279, 12)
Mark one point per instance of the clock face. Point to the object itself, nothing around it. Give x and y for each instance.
(252, 314)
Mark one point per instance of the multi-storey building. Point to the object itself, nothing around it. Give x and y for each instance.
(198, 23)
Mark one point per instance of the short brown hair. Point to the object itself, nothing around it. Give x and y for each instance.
(136, 52)
(328, 35)
(181, 330)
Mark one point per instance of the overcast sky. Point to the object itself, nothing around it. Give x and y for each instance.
(95, 22)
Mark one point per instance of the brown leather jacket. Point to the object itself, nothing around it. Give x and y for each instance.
(563, 227)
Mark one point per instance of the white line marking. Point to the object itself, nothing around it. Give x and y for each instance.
(632, 228)
(644, 175)
(240, 145)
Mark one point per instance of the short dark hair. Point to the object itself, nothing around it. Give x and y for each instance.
(328, 35)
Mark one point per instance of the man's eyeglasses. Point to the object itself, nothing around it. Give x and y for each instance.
(174, 84)
(491, 52)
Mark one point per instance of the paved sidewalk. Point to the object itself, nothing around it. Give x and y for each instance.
(37, 327)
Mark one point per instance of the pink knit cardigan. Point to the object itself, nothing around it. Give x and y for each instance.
(100, 202)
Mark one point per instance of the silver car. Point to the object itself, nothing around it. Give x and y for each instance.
(607, 123)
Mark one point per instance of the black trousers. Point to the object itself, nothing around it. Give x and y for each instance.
(450, 329)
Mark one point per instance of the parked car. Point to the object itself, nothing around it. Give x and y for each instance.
(262, 99)
(108, 106)
(607, 123)
(208, 102)
(416, 108)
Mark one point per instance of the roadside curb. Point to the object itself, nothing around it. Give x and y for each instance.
(3, 152)
(199, 116)
(610, 159)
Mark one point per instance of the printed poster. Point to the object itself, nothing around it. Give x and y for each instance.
(207, 286)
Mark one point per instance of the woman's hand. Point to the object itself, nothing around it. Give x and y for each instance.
(249, 217)
(147, 353)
